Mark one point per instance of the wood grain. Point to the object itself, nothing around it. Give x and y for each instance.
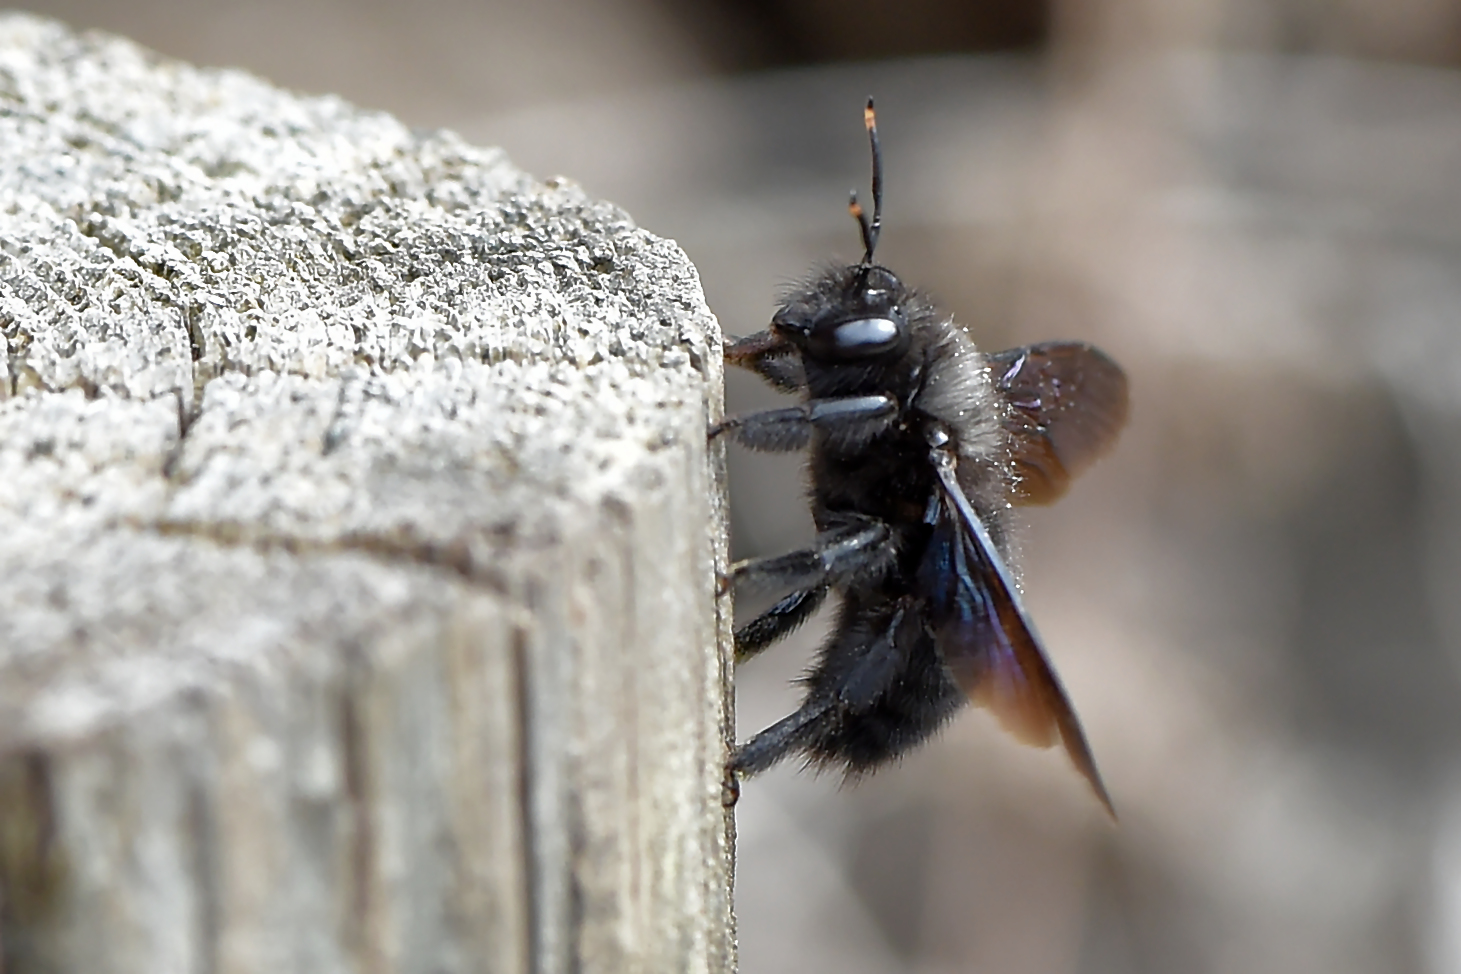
(357, 544)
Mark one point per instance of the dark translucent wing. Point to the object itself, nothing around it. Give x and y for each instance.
(1069, 401)
(985, 637)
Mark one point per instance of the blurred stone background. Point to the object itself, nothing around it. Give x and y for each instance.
(1255, 602)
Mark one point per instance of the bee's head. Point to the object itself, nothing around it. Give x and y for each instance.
(855, 313)
(848, 315)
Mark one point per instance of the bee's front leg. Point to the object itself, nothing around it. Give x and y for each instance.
(849, 420)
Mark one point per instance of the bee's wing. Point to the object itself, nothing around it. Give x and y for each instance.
(986, 639)
(1068, 401)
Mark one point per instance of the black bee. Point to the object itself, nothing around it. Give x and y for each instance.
(920, 445)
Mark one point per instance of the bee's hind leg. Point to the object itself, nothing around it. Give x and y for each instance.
(788, 734)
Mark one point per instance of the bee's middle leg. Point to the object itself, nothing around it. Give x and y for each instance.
(778, 620)
(858, 548)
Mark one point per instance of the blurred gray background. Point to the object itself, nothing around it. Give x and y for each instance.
(1255, 205)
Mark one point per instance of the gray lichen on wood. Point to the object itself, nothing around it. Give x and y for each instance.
(357, 540)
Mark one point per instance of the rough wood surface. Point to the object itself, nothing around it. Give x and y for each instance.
(357, 544)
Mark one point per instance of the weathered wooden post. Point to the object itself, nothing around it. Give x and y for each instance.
(357, 545)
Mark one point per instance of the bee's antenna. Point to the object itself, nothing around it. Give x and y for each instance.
(870, 230)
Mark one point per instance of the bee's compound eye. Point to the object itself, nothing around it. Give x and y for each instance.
(859, 338)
